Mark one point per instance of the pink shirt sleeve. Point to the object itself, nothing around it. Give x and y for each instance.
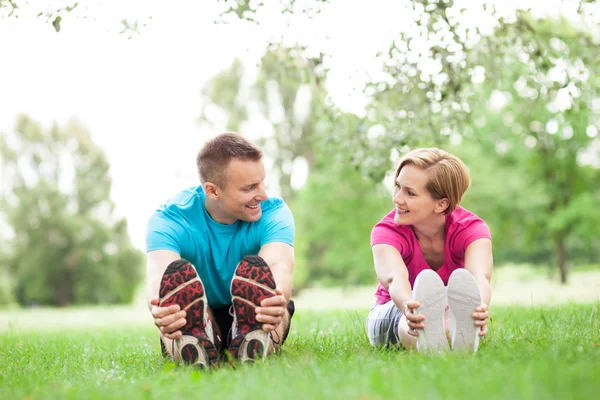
(387, 232)
(469, 231)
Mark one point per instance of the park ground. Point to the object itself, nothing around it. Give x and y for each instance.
(544, 342)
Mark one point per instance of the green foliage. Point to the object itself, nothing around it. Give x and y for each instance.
(50, 15)
(55, 15)
(248, 10)
(441, 85)
(223, 90)
(65, 245)
(6, 293)
(283, 74)
(231, 10)
(9, 4)
(335, 212)
(503, 193)
(338, 206)
(533, 181)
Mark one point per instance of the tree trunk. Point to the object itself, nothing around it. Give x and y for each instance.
(561, 256)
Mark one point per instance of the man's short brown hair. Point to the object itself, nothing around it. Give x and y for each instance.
(217, 153)
(448, 176)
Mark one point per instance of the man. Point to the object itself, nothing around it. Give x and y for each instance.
(220, 259)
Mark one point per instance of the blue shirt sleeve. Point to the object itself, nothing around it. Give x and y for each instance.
(163, 233)
(278, 226)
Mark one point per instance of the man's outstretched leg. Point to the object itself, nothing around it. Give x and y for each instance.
(181, 285)
(252, 283)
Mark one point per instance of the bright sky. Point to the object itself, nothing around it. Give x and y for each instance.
(140, 98)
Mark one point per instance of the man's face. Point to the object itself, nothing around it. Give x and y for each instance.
(244, 191)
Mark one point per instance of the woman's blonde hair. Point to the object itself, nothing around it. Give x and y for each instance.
(448, 176)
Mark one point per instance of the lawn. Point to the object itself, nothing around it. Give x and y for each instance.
(530, 353)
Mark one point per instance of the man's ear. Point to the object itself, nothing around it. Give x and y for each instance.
(211, 190)
(441, 205)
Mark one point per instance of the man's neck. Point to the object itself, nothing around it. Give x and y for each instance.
(216, 213)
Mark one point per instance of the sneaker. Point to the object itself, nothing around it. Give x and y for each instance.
(430, 292)
(463, 298)
(252, 283)
(181, 285)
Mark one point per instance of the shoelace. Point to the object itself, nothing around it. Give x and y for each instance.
(272, 339)
(230, 333)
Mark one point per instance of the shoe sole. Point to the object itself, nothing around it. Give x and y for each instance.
(430, 292)
(181, 285)
(252, 283)
(463, 298)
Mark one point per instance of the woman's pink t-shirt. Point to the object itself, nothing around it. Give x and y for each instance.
(462, 228)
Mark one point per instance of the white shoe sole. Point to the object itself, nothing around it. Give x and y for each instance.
(430, 292)
(463, 299)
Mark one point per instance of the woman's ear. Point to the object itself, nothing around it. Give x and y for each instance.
(441, 205)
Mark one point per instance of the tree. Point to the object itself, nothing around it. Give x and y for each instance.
(11, 9)
(293, 83)
(65, 244)
(6, 295)
(55, 15)
(246, 10)
(337, 207)
(225, 91)
(335, 212)
(549, 77)
(441, 77)
(288, 94)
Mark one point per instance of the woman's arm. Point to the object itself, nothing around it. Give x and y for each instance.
(392, 274)
(479, 262)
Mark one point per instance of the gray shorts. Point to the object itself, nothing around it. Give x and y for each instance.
(382, 324)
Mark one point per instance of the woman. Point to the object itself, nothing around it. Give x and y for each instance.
(425, 243)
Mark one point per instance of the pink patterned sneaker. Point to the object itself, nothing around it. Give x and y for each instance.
(252, 283)
(181, 285)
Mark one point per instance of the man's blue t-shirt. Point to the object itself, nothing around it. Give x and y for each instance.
(184, 226)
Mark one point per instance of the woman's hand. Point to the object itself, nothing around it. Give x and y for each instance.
(415, 321)
(481, 316)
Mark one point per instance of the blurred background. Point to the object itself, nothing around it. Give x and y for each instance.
(104, 105)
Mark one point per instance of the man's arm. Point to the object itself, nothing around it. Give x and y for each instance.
(168, 319)
(280, 258)
(157, 262)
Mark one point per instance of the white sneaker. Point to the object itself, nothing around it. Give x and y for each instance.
(463, 298)
(430, 292)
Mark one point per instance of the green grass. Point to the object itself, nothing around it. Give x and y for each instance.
(530, 353)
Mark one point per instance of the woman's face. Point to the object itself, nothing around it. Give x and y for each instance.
(413, 202)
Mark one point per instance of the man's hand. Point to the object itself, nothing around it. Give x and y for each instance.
(168, 320)
(481, 316)
(415, 321)
(271, 311)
